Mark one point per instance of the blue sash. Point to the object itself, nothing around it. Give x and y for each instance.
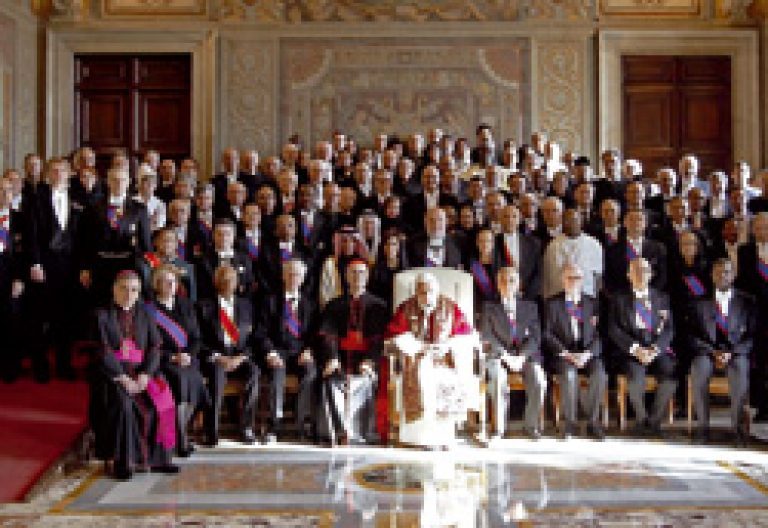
(721, 321)
(574, 311)
(170, 326)
(645, 315)
(253, 249)
(292, 323)
(482, 279)
(694, 285)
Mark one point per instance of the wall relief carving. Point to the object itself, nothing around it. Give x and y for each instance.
(561, 73)
(401, 85)
(297, 11)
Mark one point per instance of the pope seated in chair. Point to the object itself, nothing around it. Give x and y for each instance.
(438, 384)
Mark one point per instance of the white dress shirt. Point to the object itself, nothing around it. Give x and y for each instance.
(431, 199)
(60, 201)
(575, 325)
(512, 244)
(723, 299)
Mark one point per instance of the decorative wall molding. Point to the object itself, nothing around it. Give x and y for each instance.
(741, 45)
(151, 8)
(385, 11)
(645, 8)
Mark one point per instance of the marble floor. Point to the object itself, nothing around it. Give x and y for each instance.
(515, 482)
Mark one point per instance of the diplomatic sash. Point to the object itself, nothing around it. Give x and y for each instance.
(205, 228)
(721, 320)
(645, 315)
(292, 323)
(171, 327)
(574, 311)
(113, 216)
(251, 248)
(229, 327)
(631, 252)
(694, 285)
(285, 254)
(152, 259)
(5, 239)
(306, 231)
(508, 255)
(181, 250)
(512, 328)
(762, 269)
(354, 342)
(482, 279)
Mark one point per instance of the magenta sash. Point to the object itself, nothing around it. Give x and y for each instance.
(160, 394)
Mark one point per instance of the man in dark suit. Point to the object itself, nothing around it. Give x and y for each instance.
(435, 248)
(56, 258)
(641, 328)
(722, 339)
(224, 253)
(352, 331)
(752, 277)
(13, 269)
(285, 334)
(513, 332)
(572, 340)
(417, 206)
(281, 248)
(635, 244)
(200, 233)
(521, 251)
(230, 161)
(118, 233)
(226, 324)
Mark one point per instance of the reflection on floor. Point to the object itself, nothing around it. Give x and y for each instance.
(512, 483)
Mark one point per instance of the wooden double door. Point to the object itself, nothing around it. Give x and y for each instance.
(674, 106)
(133, 103)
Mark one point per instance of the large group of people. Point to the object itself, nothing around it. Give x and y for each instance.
(187, 287)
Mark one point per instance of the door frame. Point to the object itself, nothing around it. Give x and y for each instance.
(741, 46)
(63, 44)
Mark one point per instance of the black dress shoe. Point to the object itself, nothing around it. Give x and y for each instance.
(248, 436)
(740, 439)
(533, 434)
(185, 452)
(596, 431)
(211, 441)
(166, 469)
(122, 473)
(568, 432)
(701, 436)
(640, 429)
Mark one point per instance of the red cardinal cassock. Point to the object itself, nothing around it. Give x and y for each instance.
(446, 320)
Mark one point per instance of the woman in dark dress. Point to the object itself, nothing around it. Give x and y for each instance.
(390, 261)
(176, 321)
(482, 263)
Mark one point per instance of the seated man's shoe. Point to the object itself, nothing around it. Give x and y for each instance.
(122, 473)
(307, 432)
(185, 452)
(532, 433)
(568, 432)
(596, 431)
(654, 430)
(166, 469)
(740, 439)
(640, 429)
(211, 441)
(248, 436)
(701, 436)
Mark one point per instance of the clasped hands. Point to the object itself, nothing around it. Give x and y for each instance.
(134, 386)
(513, 362)
(577, 359)
(721, 358)
(646, 355)
(182, 359)
(230, 363)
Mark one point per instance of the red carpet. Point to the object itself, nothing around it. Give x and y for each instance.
(38, 423)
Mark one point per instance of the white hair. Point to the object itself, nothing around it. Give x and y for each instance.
(424, 277)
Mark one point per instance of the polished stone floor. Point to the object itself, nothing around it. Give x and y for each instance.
(619, 482)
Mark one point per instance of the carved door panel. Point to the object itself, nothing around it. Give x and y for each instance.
(677, 105)
(132, 104)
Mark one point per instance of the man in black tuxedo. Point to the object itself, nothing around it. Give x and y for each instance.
(635, 244)
(521, 251)
(118, 233)
(435, 248)
(286, 329)
(279, 249)
(752, 277)
(226, 325)
(224, 253)
(13, 270)
(513, 332)
(352, 331)
(56, 258)
(230, 161)
(641, 328)
(572, 340)
(200, 233)
(417, 206)
(722, 339)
